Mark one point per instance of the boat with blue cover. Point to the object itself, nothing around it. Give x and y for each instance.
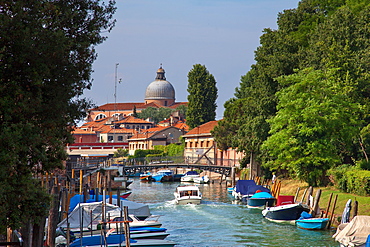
(261, 199)
(189, 176)
(246, 188)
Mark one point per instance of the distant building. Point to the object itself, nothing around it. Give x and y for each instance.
(159, 93)
(159, 135)
(200, 147)
(112, 126)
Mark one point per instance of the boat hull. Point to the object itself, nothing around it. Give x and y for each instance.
(260, 202)
(188, 201)
(288, 212)
(312, 224)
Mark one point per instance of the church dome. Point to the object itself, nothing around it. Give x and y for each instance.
(160, 89)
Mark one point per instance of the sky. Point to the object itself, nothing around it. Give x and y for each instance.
(222, 35)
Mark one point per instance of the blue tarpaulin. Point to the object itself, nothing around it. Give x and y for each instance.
(262, 195)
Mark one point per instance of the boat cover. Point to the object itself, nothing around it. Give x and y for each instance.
(191, 173)
(248, 188)
(89, 213)
(262, 195)
(135, 208)
(354, 233)
(243, 185)
(97, 240)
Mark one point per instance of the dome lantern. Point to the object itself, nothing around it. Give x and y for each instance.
(160, 91)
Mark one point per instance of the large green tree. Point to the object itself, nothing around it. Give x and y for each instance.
(46, 55)
(202, 96)
(322, 34)
(316, 121)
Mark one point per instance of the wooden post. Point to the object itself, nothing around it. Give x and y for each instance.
(296, 194)
(332, 212)
(118, 197)
(355, 208)
(304, 194)
(127, 226)
(316, 203)
(328, 207)
(232, 176)
(81, 181)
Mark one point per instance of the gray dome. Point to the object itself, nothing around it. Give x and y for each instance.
(160, 88)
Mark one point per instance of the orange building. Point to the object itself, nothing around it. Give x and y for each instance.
(200, 147)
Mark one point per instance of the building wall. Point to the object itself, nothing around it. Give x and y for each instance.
(113, 137)
(195, 147)
(83, 138)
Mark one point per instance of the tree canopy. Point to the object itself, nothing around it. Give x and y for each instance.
(202, 96)
(46, 55)
(159, 114)
(321, 43)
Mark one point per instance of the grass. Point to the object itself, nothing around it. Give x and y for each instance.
(289, 187)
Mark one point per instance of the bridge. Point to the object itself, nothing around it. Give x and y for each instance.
(130, 170)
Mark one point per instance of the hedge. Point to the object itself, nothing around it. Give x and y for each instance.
(351, 179)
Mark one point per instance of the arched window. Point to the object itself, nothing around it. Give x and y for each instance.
(100, 116)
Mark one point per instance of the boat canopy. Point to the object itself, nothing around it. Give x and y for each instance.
(246, 187)
(191, 173)
(85, 214)
(262, 195)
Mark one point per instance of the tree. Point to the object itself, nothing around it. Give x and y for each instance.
(120, 153)
(202, 96)
(315, 126)
(134, 113)
(155, 114)
(46, 55)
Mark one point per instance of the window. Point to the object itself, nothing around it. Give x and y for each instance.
(120, 138)
(165, 103)
(110, 138)
(100, 116)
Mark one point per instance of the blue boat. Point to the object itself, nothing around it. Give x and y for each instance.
(261, 199)
(306, 221)
(163, 176)
(312, 223)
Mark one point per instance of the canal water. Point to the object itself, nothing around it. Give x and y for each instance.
(219, 220)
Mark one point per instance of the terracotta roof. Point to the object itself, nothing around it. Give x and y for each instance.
(78, 131)
(129, 106)
(203, 129)
(177, 104)
(132, 119)
(119, 130)
(181, 125)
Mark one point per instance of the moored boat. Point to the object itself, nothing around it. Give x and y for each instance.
(285, 210)
(163, 176)
(201, 179)
(189, 176)
(312, 223)
(187, 195)
(260, 200)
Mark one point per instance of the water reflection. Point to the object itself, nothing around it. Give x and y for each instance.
(219, 220)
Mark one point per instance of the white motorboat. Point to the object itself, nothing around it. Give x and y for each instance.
(201, 180)
(189, 176)
(187, 195)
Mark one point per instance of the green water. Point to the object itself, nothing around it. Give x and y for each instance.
(220, 221)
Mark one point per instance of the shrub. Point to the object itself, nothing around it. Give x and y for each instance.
(351, 179)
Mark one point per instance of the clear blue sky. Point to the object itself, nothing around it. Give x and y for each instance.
(220, 34)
